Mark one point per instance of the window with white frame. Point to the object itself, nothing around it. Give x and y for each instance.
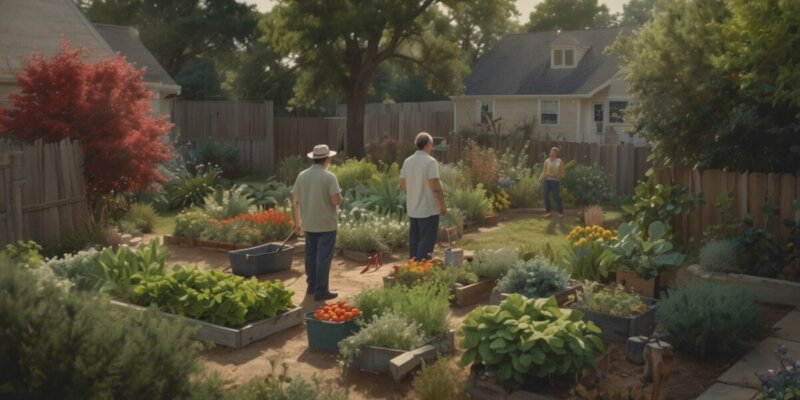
(548, 112)
(562, 58)
(487, 111)
(616, 111)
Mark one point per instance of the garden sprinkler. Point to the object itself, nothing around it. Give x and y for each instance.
(373, 261)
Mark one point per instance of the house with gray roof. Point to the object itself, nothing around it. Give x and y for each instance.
(28, 25)
(560, 82)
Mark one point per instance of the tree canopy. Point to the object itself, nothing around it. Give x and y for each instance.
(566, 15)
(637, 12)
(718, 83)
(337, 47)
(478, 25)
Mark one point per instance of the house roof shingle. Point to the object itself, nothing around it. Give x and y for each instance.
(519, 64)
(125, 40)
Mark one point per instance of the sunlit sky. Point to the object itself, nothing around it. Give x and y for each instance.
(523, 6)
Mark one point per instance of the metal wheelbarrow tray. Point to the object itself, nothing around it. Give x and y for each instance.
(262, 259)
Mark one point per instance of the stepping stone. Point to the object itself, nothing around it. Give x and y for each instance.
(789, 328)
(762, 358)
(728, 392)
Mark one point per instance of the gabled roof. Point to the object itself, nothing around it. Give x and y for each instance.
(519, 64)
(125, 40)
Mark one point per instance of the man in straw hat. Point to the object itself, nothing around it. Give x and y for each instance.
(316, 196)
(419, 177)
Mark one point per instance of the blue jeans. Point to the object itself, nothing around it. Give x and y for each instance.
(422, 234)
(551, 186)
(319, 254)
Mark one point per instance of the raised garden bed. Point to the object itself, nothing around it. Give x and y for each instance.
(204, 244)
(178, 241)
(621, 328)
(766, 290)
(260, 260)
(646, 287)
(561, 297)
(377, 360)
(466, 295)
(233, 337)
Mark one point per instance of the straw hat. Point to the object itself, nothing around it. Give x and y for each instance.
(321, 151)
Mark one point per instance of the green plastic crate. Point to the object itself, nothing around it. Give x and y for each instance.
(327, 335)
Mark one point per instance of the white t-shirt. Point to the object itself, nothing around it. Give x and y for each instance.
(418, 170)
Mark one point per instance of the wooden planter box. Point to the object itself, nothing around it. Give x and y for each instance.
(466, 295)
(766, 290)
(376, 360)
(359, 256)
(621, 328)
(491, 220)
(561, 297)
(234, 337)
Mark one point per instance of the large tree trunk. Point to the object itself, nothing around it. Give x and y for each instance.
(356, 106)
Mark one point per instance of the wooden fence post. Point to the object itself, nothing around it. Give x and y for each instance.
(14, 212)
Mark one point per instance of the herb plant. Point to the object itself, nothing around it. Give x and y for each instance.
(614, 301)
(646, 257)
(25, 252)
(389, 330)
(493, 264)
(473, 202)
(426, 303)
(439, 381)
(529, 337)
(533, 278)
(720, 256)
(708, 319)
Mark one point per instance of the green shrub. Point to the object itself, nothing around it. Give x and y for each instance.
(290, 167)
(270, 194)
(439, 381)
(58, 344)
(388, 330)
(707, 319)
(453, 219)
(80, 268)
(533, 278)
(144, 215)
(758, 250)
(191, 224)
(450, 276)
(453, 176)
(527, 251)
(425, 303)
(126, 226)
(222, 155)
(478, 134)
(385, 194)
(190, 190)
(73, 241)
(388, 151)
(589, 185)
(473, 202)
(720, 256)
(654, 201)
(221, 203)
(24, 252)
(648, 258)
(213, 296)
(367, 232)
(522, 337)
(493, 264)
(353, 173)
(525, 192)
(279, 385)
(614, 301)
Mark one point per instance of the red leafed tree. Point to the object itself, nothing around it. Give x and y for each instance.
(104, 105)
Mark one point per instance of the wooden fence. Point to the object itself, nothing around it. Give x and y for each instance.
(398, 108)
(198, 120)
(42, 191)
(750, 192)
(297, 136)
(624, 163)
(405, 126)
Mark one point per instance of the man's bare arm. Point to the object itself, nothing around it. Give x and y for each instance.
(298, 223)
(403, 183)
(336, 199)
(436, 186)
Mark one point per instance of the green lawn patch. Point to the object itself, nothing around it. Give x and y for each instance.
(165, 223)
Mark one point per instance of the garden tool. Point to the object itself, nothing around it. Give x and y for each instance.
(453, 257)
(373, 261)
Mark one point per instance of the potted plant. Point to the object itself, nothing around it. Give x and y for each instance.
(620, 314)
(638, 261)
(330, 324)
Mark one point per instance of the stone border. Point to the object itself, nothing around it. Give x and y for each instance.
(766, 290)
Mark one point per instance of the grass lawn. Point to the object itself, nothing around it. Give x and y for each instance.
(534, 230)
(165, 223)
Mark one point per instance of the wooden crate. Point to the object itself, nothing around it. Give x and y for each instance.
(234, 337)
(466, 295)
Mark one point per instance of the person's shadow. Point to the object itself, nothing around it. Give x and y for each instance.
(557, 225)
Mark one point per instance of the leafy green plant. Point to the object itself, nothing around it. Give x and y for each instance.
(425, 303)
(62, 344)
(191, 190)
(453, 176)
(73, 241)
(223, 203)
(213, 153)
(528, 251)
(213, 296)
(269, 194)
(759, 252)
(708, 320)
(352, 173)
(583, 253)
(388, 151)
(720, 256)
(472, 201)
(143, 215)
(529, 337)
(279, 385)
(384, 193)
(783, 384)
(524, 193)
(730, 226)
(615, 301)
(439, 381)
(361, 230)
(389, 330)
(453, 218)
(191, 224)
(81, 268)
(664, 202)
(450, 276)
(121, 269)
(646, 257)
(533, 278)
(25, 252)
(493, 264)
(290, 167)
(589, 185)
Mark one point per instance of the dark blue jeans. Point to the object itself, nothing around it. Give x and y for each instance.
(551, 186)
(422, 234)
(319, 254)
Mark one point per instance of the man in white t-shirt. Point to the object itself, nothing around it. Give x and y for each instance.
(419, 177)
